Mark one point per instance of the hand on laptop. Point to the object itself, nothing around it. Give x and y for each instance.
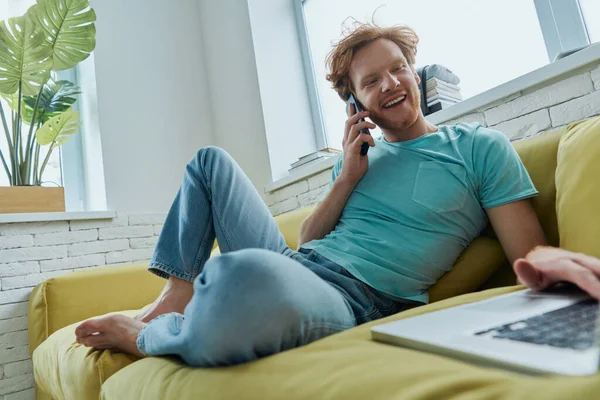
(544, 266)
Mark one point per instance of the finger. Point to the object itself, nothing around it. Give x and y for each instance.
(350, 123)
(528, 274)
(355, 130)
(582, 277)
(586, 261)
(362, 138)
(355, 121)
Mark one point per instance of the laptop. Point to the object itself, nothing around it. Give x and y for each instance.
(537, 332)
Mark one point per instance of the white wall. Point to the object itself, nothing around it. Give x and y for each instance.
(232, 80)
(153, 102)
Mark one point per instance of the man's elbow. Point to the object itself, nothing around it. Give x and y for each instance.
(302, 233)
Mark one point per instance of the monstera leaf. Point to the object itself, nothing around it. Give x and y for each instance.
(57, 97)
(58, 129)
(69, 29)
(24, 56)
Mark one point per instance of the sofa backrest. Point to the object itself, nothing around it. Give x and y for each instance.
(289, 224)
(539, 155)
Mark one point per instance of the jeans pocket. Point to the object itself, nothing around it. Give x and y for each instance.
(440, 187)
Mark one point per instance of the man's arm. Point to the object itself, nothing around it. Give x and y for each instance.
(517, 227)
(327, 214)
(538, 266)
(354, 166)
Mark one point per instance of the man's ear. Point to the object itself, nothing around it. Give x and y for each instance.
(417, 78)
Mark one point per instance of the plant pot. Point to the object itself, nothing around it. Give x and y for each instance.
(31, 199)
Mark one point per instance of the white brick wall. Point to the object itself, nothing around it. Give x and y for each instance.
(11, 242)
(596, 78)
(559, 92)
(530, 112)
(31, 253)
(526, 125)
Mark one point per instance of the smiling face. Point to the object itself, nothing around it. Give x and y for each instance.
(386, 85)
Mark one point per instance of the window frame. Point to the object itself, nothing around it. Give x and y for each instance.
(321, 137)
(71, 157)
(562, 23)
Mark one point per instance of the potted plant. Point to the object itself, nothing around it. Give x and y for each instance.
(53, 35)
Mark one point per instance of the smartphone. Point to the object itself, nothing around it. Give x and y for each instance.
(352, 100)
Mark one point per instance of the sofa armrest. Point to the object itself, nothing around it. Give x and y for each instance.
(73, 297)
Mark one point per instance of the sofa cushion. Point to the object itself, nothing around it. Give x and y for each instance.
(65, 369)
(578, 187)
(348, 365)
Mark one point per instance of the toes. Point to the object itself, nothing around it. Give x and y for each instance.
(93, 325)
(87, 328)
(95, 341)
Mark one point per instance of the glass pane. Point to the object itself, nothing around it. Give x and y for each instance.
(52, 172)
(486, 43)
(591, 15)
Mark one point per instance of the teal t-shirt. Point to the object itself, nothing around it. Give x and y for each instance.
(420, 204)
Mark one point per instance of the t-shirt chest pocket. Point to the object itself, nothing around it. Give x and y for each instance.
(440, 187)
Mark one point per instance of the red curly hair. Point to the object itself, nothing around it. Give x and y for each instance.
(339, 58)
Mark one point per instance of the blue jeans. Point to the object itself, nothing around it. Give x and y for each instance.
(259, 297)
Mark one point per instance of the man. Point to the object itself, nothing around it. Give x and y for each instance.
(390, 225)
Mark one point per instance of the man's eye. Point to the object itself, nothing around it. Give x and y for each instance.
(371, 82)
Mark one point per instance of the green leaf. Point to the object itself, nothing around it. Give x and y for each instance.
(56, 98)
(12, 99)
(24, 55)
(69, 29)
(58, 129)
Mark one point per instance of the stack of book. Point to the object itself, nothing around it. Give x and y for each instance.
(441, 94)
(312, 158)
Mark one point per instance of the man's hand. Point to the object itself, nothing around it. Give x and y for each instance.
(355, 166)
(544, 266)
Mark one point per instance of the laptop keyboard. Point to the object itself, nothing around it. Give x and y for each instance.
(570, 327)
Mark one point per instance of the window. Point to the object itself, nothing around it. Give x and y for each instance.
(591, 14)
(486, 43)
(65, 165)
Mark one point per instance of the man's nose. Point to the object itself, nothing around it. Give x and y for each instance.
(390, 82)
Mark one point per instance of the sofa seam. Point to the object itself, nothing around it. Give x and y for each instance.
(44, 297)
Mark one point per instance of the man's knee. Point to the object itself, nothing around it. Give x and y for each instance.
(250, 270)
(250, 309)
(207, 159)
(210, 154)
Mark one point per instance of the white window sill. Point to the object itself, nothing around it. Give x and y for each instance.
(531, 79)
(56, 216)
(301, 175)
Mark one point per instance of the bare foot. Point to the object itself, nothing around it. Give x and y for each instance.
(174, 298)
(111, 332)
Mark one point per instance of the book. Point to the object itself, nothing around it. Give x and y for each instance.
(450, 95)
(308, 165)
(325, 150)
(323, 153)
(431, 100)
(435, 82)
(439, 105)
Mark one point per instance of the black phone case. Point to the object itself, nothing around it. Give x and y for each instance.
(364, 149)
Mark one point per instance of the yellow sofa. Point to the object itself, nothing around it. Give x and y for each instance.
(348, 365)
